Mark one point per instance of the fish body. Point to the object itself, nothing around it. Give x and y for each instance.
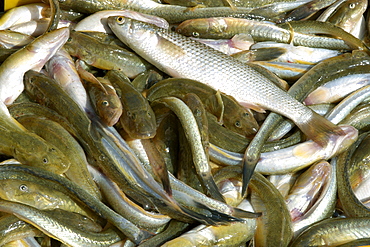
(31, 57)
(27, 147)
(179, 56)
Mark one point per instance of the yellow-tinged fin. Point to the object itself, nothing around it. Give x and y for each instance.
(319, 129)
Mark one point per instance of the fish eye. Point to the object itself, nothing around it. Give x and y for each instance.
(149, 115)
(245, 114)
(23, 187)
(120, 19)
(237, 124)
(197, 112)
(69, 39)
(352, 6)
(45, 160)
(105, 103)
(195, 34)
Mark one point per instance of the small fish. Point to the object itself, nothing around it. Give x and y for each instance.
(97, 22)
(104, 56)
(23, 14)
(31, 57)
(103, 96)
(137, 119)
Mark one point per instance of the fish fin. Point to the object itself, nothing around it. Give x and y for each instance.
(250, 160)
(231, 5)
(319, 129)
(87, 76)
(268, 53)
(209, 216)
(216, 106)
(253, 107)
(211, 187)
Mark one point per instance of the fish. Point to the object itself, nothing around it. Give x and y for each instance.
(13, 228)
(27, 147)
(193, 135)
(98, 21)
(103, 56)
(58, 136)
(238, 79)
(24, 13)
(227, 27)
(333, 232)
(228, 235)
(32, 57)
(233, 116)
(13, 40)
(137, 119)
(179, 57)
(37, 195)
(66, 233)
(102, 94)
(171, 13)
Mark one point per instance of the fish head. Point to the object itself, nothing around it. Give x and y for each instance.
(52, 40)
(139, 124)
(109, 109)
(35, 151)
(242, 122)
(16, 190)
(130, 30)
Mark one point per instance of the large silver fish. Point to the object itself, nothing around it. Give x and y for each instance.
(179, 56)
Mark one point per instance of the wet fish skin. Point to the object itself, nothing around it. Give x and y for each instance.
(102, 94)
(138, 118)
(67, 234)
(12, 228)
(234, 117)
(179, 57)
(33, 56)
(172, 13)
(58, 136)
(27, 147)
(227, 27)
(23, 14)
(103, 56)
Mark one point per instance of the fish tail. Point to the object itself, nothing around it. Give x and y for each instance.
(319, 129)
(211, 216)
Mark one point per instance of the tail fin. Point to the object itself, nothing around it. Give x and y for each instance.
(319, 129)
(211, 216)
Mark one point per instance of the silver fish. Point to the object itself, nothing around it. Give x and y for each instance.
(179, 56)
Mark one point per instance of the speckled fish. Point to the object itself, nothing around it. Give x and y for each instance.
(31, 57)
(103, 96)
(179, 56)
(104, 56)
(27, 147)
(137, 119)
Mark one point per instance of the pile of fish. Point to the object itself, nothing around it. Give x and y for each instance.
(185, 123)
